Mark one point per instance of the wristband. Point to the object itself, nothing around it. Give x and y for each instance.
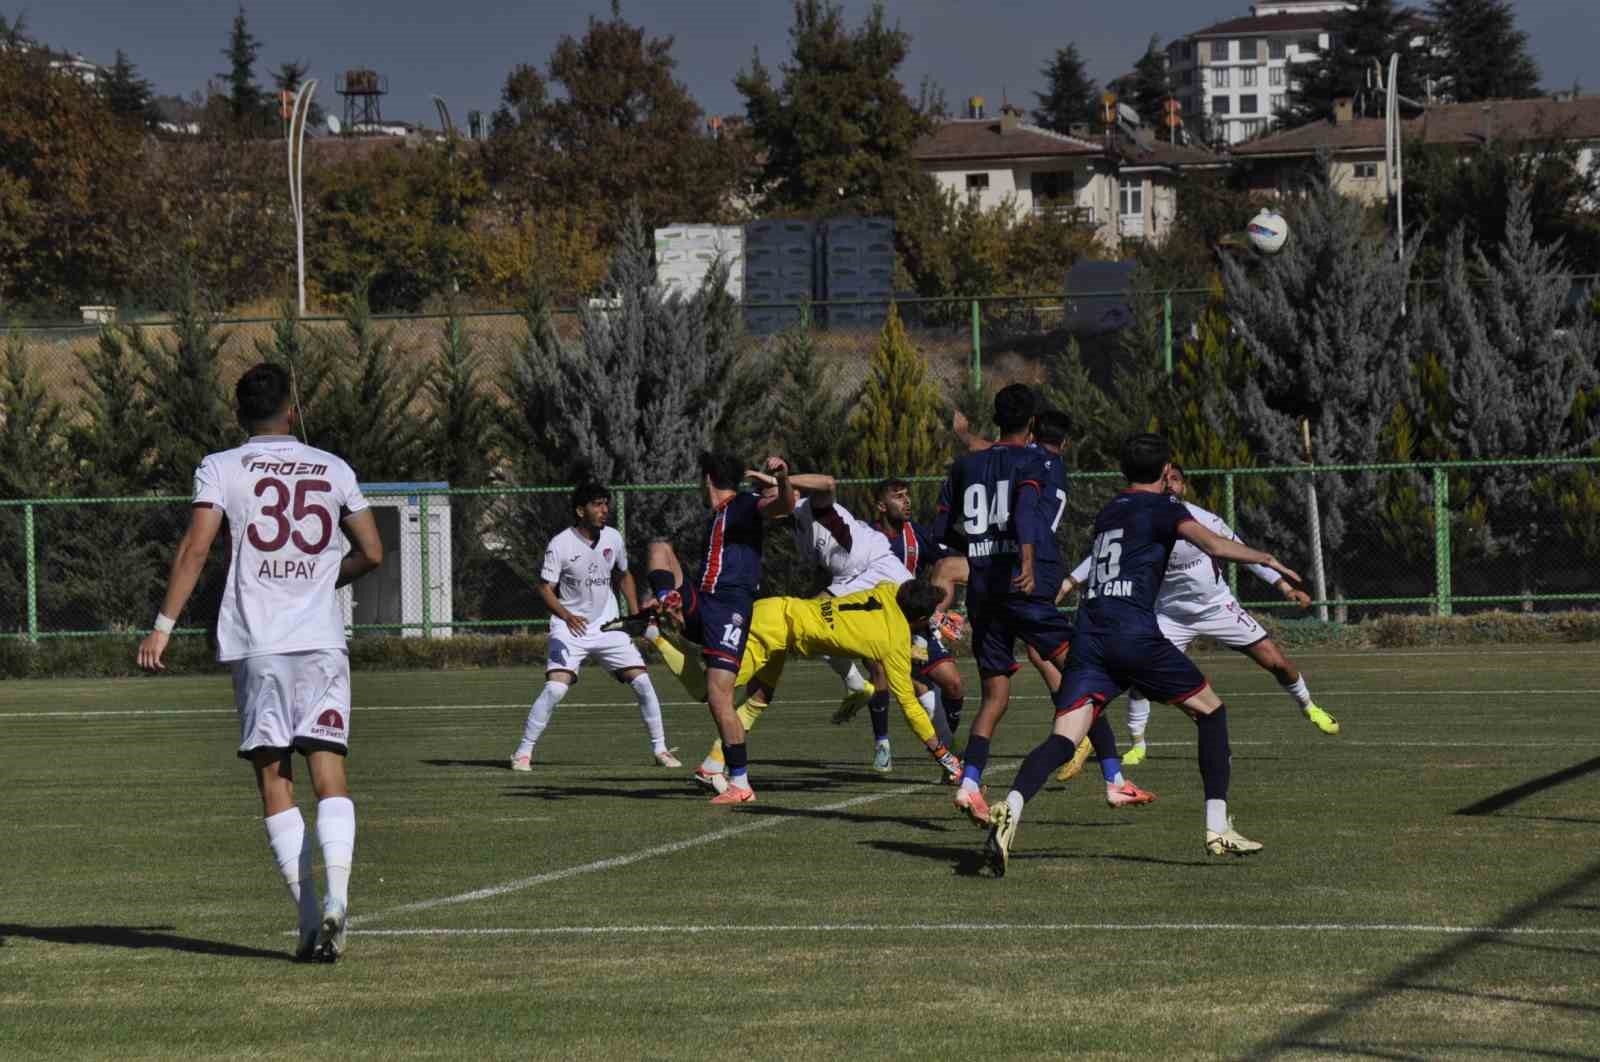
(164, 623)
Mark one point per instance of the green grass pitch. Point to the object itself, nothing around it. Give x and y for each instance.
(1430, 886)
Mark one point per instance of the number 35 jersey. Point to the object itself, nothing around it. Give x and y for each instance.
(284, 501)
(1134, 537)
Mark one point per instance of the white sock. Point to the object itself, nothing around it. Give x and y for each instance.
(1014, 801)
(968, 785)
(846, 669)
(711, 765)
(286, 833)
(652, 632)
(336, 832)
(881, 743)
(1217, 816)
(539, 715)
(1138, 737)
(1297, 689)
(650, 712)
(1138, 716)
(1117, 781)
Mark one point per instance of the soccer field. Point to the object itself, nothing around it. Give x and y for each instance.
(1430, 885)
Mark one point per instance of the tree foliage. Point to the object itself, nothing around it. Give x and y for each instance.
(1477, 52)
(898, 426)
(1368, 32)
(247, 104)
(1071, 96)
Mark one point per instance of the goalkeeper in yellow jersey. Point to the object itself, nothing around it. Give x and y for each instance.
(873, 625)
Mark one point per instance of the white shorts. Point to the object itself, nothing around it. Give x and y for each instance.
(1228, 623)
(614, 651)
(293, 700)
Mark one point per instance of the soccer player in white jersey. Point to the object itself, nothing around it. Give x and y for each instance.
(583, 567)
(1195, 601)
(282, 631)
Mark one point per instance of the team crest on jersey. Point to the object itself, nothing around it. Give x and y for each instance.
(329, 724)
(736, 619)
(606, 553)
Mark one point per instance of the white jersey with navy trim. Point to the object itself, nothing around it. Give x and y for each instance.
(284, 502)
(870, 560)
(581, 571)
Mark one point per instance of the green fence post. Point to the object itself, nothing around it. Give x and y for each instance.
(1228, 518)
(977, 347)
(1166, 337)
(32, 573)
(427, 568)
(1441, 541)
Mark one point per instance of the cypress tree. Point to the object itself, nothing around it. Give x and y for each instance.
(1071, 97)
(898, 425)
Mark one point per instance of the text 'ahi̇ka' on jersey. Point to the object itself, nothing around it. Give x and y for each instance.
(284, 502)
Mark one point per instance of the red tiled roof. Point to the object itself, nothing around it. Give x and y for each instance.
(1296, 22)
(980, 138)
(1449, 123)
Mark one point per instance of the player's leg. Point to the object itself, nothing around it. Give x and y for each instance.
(1138, 724)
(942, 673)
(993, 643)
(878, 713)
(322, 735)
(560, 675)
(1266, 653)
(266, 732)
(759, 692)
(1069, 730)
(644, 691)
(857, 690)
(723, 630)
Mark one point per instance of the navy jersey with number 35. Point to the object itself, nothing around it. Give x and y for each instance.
(993, 501)
(1133, 537)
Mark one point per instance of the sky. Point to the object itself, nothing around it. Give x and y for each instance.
(463, 49)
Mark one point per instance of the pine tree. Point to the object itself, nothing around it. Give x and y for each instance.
(1478, 53)
(181, 381)
(1150, 88)
(289, 76)
(898, 426)
(33, 464)
(127, 94)
(365, 407)
(1071, 97)
(1368, 32)
(247, 105)
(810, 424)
(1321, 322)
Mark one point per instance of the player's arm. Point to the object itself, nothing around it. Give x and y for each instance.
(897, 667)
(193, 549)
(1221, 548)
(1269, 576)
(947, 572)
(1079, 576)
(783, 504)
(630, 591)
(366, 552)
(1029, 528)
(964, 434)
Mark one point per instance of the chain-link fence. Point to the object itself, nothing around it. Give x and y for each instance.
(1368, 540)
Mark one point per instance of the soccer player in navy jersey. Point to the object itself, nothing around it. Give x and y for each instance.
(1117, 644)
(1004, 502)
(714, 610)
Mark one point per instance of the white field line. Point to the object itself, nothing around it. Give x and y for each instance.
(363, 708)
(985, 927)
(491, 891)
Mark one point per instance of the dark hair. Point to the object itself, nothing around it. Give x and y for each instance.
(589, 491)
(1144, 457)
(887, 487)
(1051, 426)
(1014, 406)
(918, 599)
(262, 393)
(726, 470)
(1179, 470)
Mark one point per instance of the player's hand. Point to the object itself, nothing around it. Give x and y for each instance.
(760, 477)
(947, 759)
(959, 423)
(670, 605)
(1297, 597)
(777, 467)
(1288, 573)
(150, 650)
(1022, 582)
(575, 623)
(1067, 586)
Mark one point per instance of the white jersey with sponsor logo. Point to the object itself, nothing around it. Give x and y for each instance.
(1195, 584)
(581, 572)
(868, 562)
(284, 501)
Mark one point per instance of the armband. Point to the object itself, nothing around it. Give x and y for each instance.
(164, 623)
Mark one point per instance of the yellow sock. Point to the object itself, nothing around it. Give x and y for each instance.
(690, 671)
(748, 713)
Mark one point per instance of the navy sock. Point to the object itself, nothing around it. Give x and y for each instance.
(1105, 748)
(974, 758)
(1041, 763)
(952, 713)
(736, 759)
(1216, 760)
(661, 581)
(878, 711)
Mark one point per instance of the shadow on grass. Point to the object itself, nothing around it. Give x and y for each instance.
(966, 861)
(497, 765)
(914, 822)
(1307, 1035)
(136, 937)
(1553, 949)
(1507, 797)
(1425, 1050)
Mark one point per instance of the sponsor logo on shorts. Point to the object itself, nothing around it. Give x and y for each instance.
(329, 724)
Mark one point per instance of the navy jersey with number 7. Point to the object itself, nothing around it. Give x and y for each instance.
(1133, 538)
(991, 503)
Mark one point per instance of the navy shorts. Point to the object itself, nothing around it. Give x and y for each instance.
(719, 625)
(938, 653)
(1101, 666)
(997, 623)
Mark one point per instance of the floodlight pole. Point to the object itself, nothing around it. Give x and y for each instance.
(296, 148)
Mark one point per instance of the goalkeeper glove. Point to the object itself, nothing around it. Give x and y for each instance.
(950, 625)
(947, 760)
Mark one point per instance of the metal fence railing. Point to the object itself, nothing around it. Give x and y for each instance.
(1399, 538)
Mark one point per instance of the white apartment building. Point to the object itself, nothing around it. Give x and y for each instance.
(1232, 78)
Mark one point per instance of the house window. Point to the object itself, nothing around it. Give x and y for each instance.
(1252, 127)
(1277, 49)
(1366, 171)
(1221, 105)
(1280, 102)
(1249, 104)
(1247, 77)
(1055, 184)
(1130, 195)
(1219, 51)
(1275, 76)
(977, 183)
(1247, 49)
(1307, 46)
(1221, 77)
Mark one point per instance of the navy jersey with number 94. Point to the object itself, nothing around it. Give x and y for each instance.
(995, 500)
(1133, 537)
